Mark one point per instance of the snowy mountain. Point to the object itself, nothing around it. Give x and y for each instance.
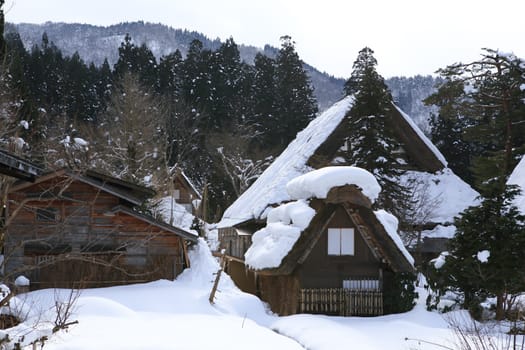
(95, 43)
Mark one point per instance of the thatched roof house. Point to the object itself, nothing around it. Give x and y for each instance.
(315, 147)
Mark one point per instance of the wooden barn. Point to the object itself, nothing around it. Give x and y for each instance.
(87, 230)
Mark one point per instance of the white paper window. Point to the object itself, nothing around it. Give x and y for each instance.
(368, 284)
(176, 194)
(340, 241)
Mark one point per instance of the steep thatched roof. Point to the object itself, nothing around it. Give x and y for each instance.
(357, 206)
(315, 147)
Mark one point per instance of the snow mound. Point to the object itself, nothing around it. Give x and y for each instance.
(518, 178)
(22, 281)
(390, 224)
(440, 231)
(273, 242)
(297, 213)
(318, 183)
(175, 214)
(203, 268)
(100, 306)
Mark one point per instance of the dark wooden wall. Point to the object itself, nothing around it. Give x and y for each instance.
(91, 234)
(321, 270)
(280, 292)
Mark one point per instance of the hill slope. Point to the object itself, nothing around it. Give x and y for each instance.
(95, 43)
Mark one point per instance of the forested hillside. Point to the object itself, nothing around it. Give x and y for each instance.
(95, 43)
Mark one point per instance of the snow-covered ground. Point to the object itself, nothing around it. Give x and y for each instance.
(177, 315)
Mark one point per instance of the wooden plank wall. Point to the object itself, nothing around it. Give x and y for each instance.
(86, 226)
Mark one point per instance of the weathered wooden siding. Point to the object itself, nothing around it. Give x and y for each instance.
(87, 230)
(321, 270)
(233, 243)
(244, 278)
(280, 292)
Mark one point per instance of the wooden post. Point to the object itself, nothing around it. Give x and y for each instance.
(217, 278)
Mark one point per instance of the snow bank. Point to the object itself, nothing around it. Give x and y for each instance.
(270, 187)
(175, 214)
(318, 183)
(203, 268)
(273, 242)
(518, 178)
(444, 192)
(390, 224)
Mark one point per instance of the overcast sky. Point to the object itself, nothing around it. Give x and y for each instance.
(408, 36)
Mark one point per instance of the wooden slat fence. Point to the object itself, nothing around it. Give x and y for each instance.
(341, 301)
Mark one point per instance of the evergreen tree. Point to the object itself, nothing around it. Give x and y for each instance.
(196, 79)
(137, 60)
(170, 75)
(80, 96)
(485, 257)
(448, 129)
(371, 144)
(296, 105)
(263, 116)
(225, 80)
(488, 105)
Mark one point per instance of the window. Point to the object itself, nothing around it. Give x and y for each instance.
(361, 284)
(340, 241)
(176, 194)
(47, 214)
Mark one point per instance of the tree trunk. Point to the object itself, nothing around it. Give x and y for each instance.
(500, 312)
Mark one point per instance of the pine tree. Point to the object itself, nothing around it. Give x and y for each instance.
(137, 60)
(226, 76)
(263, 116)
(371, 144)
(296, 105)
(447, 129)
(170, 75)
(488, 106)
(485, 257)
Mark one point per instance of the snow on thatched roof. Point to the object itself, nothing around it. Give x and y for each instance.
(270, 187)
(454, 194)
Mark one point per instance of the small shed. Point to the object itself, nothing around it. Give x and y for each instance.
(185, 193)
(72, 229)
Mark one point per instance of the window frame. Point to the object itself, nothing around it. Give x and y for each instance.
(47, 215)
(337, 245)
